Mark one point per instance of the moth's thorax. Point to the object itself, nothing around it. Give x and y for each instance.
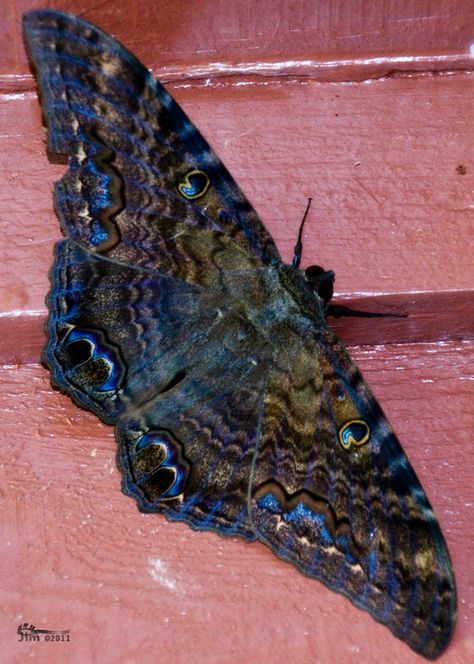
(275, 297)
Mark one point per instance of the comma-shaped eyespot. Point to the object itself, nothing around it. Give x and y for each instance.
(90, 361)
(355, 432)
(194, 184)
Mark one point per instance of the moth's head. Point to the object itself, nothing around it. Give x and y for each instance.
(321, 281)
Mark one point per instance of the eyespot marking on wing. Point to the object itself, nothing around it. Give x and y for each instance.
(90, 361)
(194, 184)
(354, 432)
(158, 466)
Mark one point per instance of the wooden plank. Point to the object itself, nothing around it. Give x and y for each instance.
(390, 212)
(429, 317)
(327, 40)
(131, 587)
(390, 169)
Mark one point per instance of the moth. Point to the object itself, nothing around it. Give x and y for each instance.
(173, 318)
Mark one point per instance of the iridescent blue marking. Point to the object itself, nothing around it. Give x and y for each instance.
(98, 235)
(102, 199)
(186, 129)
(342, 542)
(270, 503)
(98, 351)
(372, 567)
(194, 184)
(171, 460)
(212, 509)
(355, 432)
(300, 514)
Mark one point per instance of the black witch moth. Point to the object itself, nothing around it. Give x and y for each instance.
(173, 317)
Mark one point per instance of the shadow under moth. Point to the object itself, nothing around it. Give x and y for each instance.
(173, 318)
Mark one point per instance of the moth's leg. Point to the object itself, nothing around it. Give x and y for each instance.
(339, 310)
(322, 282)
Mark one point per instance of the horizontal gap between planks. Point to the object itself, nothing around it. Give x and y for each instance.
(432, 317)
(322, 71)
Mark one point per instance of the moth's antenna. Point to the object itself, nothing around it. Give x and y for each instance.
(299, 244)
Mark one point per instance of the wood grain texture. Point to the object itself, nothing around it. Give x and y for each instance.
(125, 582)
(392, 215)
(330, 40)
(380, 161)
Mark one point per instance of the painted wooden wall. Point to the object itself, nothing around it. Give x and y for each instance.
(368, 108)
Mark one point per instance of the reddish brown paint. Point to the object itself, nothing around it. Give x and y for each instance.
(390, 212)
(327, 39)
(391, 215)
